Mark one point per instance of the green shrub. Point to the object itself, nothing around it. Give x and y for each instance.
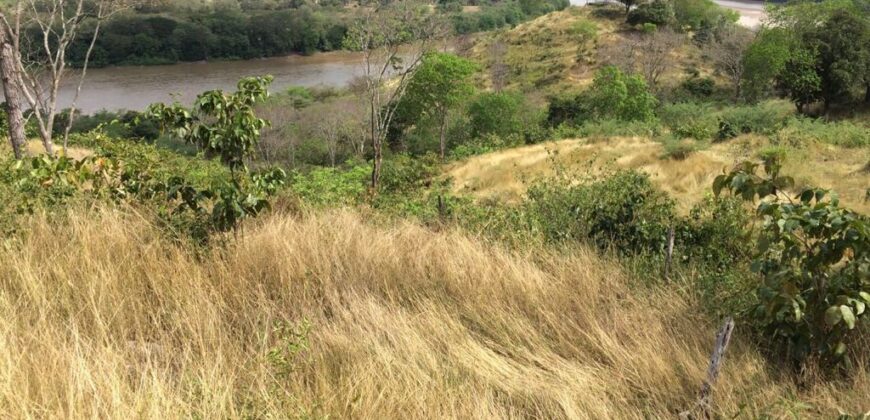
(699, 86)
(679, 149)
(689, 120)
(621, 96)
(765, 119)
(332, 187)
(814, 257)
(799, 131)
(568, 109)
(657, 12)
(700, 14)
(498, 113)
(773, 153)
(584, 30)
(715, 243)
(403, 173)
(622, 211)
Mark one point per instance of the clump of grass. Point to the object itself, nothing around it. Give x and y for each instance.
(677, 149)
(329, 316)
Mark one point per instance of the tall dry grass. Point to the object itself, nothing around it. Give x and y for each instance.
(100, 317)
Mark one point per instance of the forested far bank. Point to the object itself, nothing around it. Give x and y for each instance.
(228, 30)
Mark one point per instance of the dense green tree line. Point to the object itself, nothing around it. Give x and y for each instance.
(217, 34)
(159, 35)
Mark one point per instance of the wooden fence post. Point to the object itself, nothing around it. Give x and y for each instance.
(670, 254)
(702, 409)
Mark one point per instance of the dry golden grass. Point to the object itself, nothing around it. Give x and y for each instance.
(34, 148)
(550, 54)
(506, 174)
(102, 318)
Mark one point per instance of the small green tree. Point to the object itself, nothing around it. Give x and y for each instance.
(219, 124)
(799, 78)
(814, 257)
(763, 60)
(442, 82)
(226, 126)
(842, 44)
(621, 96)
(657, 12)
(495, 113)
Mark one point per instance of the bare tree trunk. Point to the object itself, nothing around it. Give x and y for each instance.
(443, 134)
(11, 90)
(376, 147)
(90, 51)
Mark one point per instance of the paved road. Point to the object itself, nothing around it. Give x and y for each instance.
(751, 11)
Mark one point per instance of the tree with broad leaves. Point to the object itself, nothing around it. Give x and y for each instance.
(814, 258)
(442, 82)
(220, 124)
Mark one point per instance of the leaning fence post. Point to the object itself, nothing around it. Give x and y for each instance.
(670, 254)
(702, 409)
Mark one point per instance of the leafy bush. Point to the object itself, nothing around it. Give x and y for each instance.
(798, 131)
(766, 118)
(699, 86)
(657, 12)
(689, 120)
(622, 211)
(332, 187)
(772, 153)
(496, 113)
(715, 240)
(403, 173)
(814, 257)
(584, 30)
(621, 96)
(567, 109)
(699, 14)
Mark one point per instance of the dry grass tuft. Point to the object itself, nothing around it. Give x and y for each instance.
(101, 317)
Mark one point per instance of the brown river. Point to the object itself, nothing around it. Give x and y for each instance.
(136, 87)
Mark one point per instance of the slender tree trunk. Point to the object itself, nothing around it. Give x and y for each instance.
(376, 147)
(867, 94)
(443, 135)
(11, 90)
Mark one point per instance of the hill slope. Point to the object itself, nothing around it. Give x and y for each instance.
(506, 174)
(404, 322)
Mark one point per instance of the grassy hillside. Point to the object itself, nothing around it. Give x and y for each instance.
(508, 173)
(326, 315)
(516, 259)
(562, 50)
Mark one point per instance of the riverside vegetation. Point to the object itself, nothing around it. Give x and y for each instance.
(509, 261)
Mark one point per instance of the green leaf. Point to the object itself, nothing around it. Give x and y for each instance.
(840, 349)
(865, 296)
(833, 316)
(807, 196)
(848, 316)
